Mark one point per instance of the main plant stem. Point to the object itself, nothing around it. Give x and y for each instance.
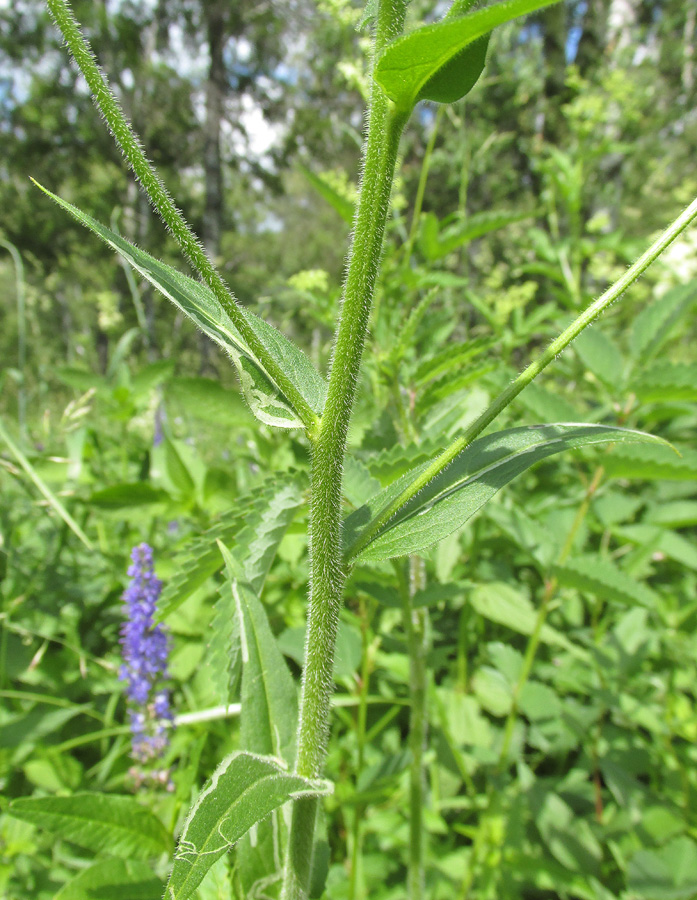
(329, 446)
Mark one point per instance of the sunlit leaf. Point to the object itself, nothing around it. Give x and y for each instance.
(244, 789)
(439, 62)
(472, 479)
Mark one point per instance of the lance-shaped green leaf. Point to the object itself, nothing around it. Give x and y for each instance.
(269, 699)
(104, 823)
(268, 719)
(436, 243)
(199, 303)
(244, 789)
(439, 62)
(337, 201)
(473, 477)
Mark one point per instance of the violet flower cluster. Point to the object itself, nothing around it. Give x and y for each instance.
(145, 647)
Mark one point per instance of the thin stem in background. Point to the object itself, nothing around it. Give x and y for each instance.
(360, 728)
(43, 488)
(530, 373)
(21, 336)
(416, 629)
(163, 203)
(421, 188)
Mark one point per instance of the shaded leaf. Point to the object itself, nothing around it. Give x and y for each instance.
(206, 399)
(105, 823)
(668, 873)
(651, 463)
(338, 203)
(667, 382)
(436, 242)
(654, 324)
(258, 524)
(601, 356)
(127, 496)
(114, 879)
(598, 576)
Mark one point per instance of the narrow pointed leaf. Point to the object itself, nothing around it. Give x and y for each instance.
(437, 62)
(268, 719)
(472, 479)
(43, 488)
(197, 302)
(340, 204)
(269, 699)
(244, 789)
(436, 243)
(105, 823)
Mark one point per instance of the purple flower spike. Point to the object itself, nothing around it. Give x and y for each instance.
(145, 647)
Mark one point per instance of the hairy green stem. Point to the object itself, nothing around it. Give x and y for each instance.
(164, 205)
(530, 373)
(329, 446)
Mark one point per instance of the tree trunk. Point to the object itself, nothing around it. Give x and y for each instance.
(591, 45)
(556, 94)
(215, 15)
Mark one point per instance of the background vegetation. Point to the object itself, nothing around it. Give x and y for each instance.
(558, 626)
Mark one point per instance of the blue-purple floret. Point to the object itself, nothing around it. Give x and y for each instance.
(145, 648)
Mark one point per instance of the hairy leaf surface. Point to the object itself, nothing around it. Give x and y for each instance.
(197, 302)
(244, 789)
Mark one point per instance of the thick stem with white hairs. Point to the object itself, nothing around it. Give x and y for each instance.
(327, 576)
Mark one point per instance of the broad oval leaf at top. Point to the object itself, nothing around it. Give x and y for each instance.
(460, 490)
(199, 303)
(244, 789)
(437, 62)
